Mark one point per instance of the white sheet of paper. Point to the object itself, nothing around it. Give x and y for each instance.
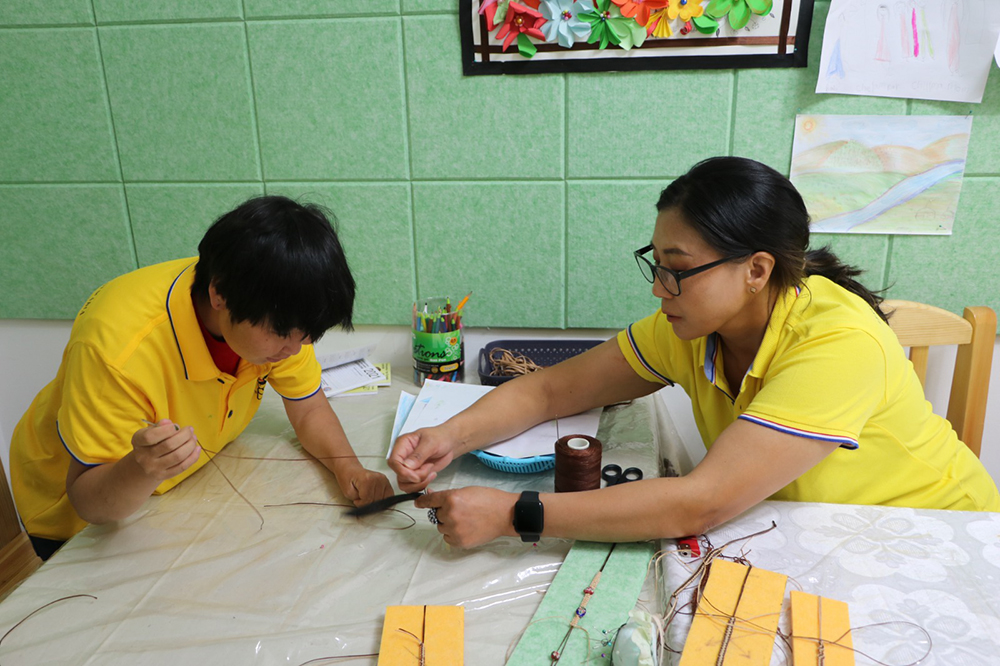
(403, 407)
(439, 401)
(541, 439)
(340, 357)
(349, 376)
(909, 48)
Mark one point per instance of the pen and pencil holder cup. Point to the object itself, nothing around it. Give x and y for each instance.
(438, 347)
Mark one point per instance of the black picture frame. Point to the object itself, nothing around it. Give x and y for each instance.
(592, 59)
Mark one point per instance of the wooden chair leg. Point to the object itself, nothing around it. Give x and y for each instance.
(17, 561)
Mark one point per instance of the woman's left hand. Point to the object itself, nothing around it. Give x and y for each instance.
(469, 517)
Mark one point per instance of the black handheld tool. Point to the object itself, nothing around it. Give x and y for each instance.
(382, 504)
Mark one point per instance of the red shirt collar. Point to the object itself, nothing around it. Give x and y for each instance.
(223, 355)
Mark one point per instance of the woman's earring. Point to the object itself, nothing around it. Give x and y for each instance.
(753, 290)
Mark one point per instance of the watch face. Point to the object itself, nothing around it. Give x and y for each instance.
(528, 517)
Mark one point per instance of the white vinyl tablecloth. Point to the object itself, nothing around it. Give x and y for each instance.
(193, 577)
(939, 570)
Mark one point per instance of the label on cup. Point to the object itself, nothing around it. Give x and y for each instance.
(437, 348)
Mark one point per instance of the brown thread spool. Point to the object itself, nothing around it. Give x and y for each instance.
(578, 463)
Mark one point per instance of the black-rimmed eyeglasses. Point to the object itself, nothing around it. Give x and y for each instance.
(670, 279)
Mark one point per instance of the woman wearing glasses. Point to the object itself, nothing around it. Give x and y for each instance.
(800, 389)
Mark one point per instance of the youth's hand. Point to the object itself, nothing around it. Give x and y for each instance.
(165, 450)
(418, 456)
(469, 517)
(363, 486)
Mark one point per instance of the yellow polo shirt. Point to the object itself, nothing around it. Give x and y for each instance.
(828, 368)
(135, 352)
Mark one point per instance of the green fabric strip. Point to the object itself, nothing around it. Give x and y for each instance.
(614, 597)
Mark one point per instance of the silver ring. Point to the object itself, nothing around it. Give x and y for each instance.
(432, 515)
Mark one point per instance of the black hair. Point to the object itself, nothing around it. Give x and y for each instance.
(280, 264)
(740, 206)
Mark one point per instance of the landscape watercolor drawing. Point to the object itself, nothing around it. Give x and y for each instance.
(880, 174)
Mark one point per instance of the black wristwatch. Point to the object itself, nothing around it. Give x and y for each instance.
(529, 516)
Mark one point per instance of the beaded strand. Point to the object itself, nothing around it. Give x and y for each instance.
(581, 610)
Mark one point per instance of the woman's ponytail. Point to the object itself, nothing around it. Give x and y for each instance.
(824, 262)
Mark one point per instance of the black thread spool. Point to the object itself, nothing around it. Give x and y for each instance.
(578, 463)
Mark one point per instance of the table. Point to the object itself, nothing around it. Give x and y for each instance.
(936, 569)
(193, 577)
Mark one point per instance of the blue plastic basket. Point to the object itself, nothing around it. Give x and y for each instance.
(517, 465)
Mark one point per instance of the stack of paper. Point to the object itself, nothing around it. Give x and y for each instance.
(350, 372)
(371, 389)
(439, 401)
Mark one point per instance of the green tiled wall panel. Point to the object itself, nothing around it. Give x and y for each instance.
(954, 271)
(122, 142)
(418, 6)
(116, 11)
(480, 126)
(330, 99)
(314, 8)
(45, 12)
(181, 102)
(374, 222)
(168, 221)
(53, 107)
(607, 221)
(60, 242)
(646, 124)
(502, 241)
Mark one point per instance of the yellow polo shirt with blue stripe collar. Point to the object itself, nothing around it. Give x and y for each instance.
(135, 352)
(830, 369)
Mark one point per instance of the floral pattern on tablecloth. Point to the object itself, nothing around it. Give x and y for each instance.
(987, 533)
(873, 543)
(897, 567)
(959, 635)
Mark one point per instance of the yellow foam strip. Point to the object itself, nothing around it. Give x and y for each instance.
(444, 640)
(835, 632)
(756, 611)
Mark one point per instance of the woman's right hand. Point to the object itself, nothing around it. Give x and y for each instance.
(419, 455)
(164, 450)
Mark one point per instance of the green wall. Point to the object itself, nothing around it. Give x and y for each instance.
(127, 127)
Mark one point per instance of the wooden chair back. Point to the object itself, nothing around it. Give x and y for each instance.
(17, 556)
(920, 326)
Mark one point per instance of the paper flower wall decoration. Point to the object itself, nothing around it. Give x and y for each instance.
(496, 11)
(600, 26)
(608, 26)
(622, 23)
(520, 23)
(738, 11)
(659, 24)
(629, 32)
(563, 21)
(686, 9)
(491, 8)
(640, 9)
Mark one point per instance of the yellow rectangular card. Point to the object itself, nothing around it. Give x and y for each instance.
(435, 634)
(737, 617)
(835, 632)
